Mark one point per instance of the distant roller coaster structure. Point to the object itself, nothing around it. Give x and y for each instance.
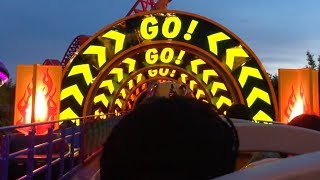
(138, 7)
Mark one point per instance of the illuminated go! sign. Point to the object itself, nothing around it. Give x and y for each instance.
(171, 28)
(111, 71)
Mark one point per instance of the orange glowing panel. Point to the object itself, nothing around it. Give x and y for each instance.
(132, 97)
(298, 93)
(137, 91)
(23, 96)
(37, 99)
(144, 86)
(129, 105)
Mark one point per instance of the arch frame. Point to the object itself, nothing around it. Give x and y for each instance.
(220, 68)
(273, 100)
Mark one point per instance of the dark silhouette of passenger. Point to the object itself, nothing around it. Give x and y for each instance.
(309, 121)
(239, 111)
(170, 138)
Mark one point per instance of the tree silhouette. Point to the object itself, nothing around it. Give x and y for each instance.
(274, 82)
(7, 97)
(318, 62)
(311, 61)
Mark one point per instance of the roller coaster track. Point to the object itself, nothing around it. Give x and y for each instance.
(73, 47)
(140, 6)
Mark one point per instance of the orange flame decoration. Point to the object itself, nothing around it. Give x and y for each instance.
(24, 108)
(51, 105)
(296, 105)
(45, 107)
(45, 103)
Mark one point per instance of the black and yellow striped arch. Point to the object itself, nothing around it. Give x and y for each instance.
(111, 71)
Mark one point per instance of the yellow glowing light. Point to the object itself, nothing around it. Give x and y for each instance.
(139, 78)
(69, 114)
(199, 93)
(166, 55)
(246, 72)
(101, 98)
(164, 72)
(131, 62)
(257, 93)
(223, 100)
(29, 111)
(151, 56)
(207, 73)
(119, 103)
(107, 83)
(232, 53)
(262, 116)
(118, 72)
(184, 78)
(195, 63)
(190, 30)
(83, 69)
(297, 109)
(100, 51)
(153, 72)
(213, 40)
(72, 91)
(41, 107)
(216, 86)
(147, 31)
(174, 22)
(118, 37)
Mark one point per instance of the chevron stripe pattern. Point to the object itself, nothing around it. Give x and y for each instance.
(219, 46)
(256, 95)
(214, 84)
(79, 79)
(246, 70)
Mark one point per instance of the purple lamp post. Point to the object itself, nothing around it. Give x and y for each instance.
(4, 74)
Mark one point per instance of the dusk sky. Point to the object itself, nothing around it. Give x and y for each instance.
(278, 31)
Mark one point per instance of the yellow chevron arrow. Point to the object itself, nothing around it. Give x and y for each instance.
(83, 69)
(223, 100)
(195, 64)
(214, 39)
(100, 51)
(139, 77)
(118, 37)
(72, 91)
(192, 83)
(109, 84)
(97, 113)
(199, 93)
(184, 78)
(258, 93)
(131, 63)
(130, 83)
(234, 52)
(119, 103)
(118, 72)
(101, 98)
(262, 116)
(246, 72)
(123, 93)
(207, 73)
(69, 114)
(100, 114)
(216, 86)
